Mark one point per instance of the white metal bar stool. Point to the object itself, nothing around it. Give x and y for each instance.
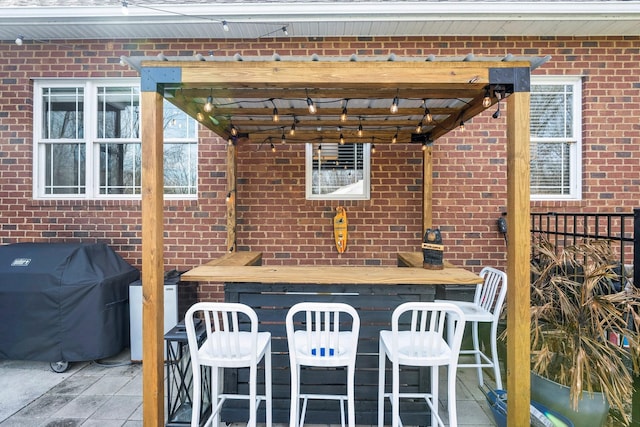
(485, 308)
(421, 342)
(228, 345)
(315, 339)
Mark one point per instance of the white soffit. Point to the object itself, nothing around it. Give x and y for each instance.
(322, 19)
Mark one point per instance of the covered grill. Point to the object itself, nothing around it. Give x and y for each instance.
(63, 302)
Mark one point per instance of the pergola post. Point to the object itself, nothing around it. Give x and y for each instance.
(232, 166)
(427, 189)
(518, 254)
(152, 258)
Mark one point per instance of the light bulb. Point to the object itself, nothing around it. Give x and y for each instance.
(486, 101)
(428, 117)
(125, 7)
(360, 129)
(341, 139)
(312, 106)
(208, 106)
(19, 40)
(292, 131)
(225, 26)
(394, 106)
(199, 116)
(343, 116)
(276, 116)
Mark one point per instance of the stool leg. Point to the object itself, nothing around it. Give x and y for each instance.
(494, 355)
(267, 385)
(351, 407)
(197, 397)
(395, 395)
(435, 385)
(253, 376)
(476, 349)
(381, 365)
(295, 396)
(451, 396)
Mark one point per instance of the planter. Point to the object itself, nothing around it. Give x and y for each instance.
(593, 409)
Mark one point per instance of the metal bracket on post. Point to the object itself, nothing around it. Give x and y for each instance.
(517, 79)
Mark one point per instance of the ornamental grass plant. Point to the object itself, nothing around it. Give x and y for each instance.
(585, 322)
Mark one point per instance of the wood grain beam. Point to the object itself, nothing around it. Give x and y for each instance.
(518, 261)
(152, 260)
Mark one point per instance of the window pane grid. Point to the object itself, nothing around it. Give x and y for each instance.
(110, 113)
(555, 140)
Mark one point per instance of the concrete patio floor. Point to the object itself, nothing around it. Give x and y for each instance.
(109, 394)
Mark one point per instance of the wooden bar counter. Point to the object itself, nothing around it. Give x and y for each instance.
(326, 275)
(374, 291)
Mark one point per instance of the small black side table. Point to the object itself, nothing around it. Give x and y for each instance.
(180, 378)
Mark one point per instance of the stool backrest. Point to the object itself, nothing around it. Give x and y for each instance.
(491, 293)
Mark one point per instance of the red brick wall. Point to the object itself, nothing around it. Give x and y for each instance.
(469, 167)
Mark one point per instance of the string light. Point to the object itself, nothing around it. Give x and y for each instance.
(360, 127)
(125, 7)
(394, 105)
(373, 148)
(419, 127)
(428, 117)
(276, 116)
(283, 138)
(292, 131)
(225, 26)
(311, 105)
(343, 116)
(486, 101)
(199, 116)
(233, 130)
(284, 30)
(19, 39)
(341, 139)
(461, 124)
(424, 145)
(273, 148)
(395, 137)
(208, 106)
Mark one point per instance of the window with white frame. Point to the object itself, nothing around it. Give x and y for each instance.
(556, 138)
(87, 142)
(337, 171)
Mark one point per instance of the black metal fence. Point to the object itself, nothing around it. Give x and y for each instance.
(567, 228)
(622, 229)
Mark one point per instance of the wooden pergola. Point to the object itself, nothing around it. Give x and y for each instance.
(244, 95)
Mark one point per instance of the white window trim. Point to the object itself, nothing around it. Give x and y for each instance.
(90, 140)
(366, 174)
(575, 155)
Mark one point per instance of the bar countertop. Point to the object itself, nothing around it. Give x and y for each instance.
(312, 274)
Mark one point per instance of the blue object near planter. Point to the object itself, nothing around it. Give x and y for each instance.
(593, 409)
(498, 402)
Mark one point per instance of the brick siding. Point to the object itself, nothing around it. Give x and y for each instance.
(469, 179)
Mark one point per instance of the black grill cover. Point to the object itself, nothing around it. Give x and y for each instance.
(63, 301)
